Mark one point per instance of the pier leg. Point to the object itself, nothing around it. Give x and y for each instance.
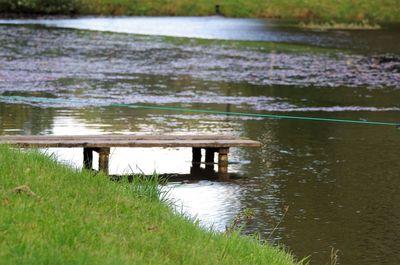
(104, 154)
(223, 160)
(196, 155)
(87, 158)
(210, 159)
(210, 155)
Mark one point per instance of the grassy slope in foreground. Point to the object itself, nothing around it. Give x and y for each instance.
(77, 218)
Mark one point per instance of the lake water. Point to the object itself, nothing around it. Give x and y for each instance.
(338, 180)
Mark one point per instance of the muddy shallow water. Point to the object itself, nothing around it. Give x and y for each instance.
(339, 180)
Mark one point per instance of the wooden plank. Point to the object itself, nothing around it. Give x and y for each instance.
(104, 154)
(223, 160)
(121, 137)
(101, 141)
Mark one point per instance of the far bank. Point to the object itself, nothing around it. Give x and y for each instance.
(305, 10)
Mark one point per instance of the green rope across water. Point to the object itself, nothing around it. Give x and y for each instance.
(262, 115)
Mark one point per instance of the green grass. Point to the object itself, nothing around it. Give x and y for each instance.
(326, 10)
(64, 216)
(319, 10)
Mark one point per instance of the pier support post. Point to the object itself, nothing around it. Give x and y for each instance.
(196, 158)
(210, 155)
(210, 159)
(223, 160)
(88, 158)
(104, 154)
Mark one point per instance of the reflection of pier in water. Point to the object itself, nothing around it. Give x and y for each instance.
(197, 173)
(201, 173)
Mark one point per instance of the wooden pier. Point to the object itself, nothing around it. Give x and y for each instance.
(102, 144)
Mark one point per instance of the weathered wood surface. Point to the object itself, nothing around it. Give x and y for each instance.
(107, 141)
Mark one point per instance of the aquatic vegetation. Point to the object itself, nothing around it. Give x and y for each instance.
(241, 219)
(332, 25)
(90, 55)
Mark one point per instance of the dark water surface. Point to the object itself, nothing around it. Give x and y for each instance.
(340, 181)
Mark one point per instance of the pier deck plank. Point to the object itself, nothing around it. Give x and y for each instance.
(101, 141)
(102, 144)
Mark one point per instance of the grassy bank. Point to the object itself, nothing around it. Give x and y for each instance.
(51, 214)
(320, 10)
